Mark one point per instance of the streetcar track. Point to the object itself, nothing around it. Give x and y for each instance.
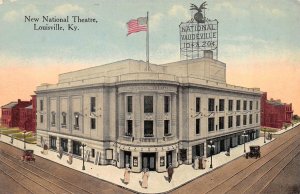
(272, 168)
(54, 176)
(267, 184)
(28, 178)
(16, 181)
(35, 174)
(278, 147)
(256, 170)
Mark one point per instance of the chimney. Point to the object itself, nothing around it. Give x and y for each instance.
(208, 54)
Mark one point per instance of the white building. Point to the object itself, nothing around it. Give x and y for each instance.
(125, 114)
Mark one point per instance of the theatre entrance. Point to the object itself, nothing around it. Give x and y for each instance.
(148, 161)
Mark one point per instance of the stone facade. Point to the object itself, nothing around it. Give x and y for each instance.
(125, 114)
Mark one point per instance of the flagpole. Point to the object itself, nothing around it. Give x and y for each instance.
(147, 44)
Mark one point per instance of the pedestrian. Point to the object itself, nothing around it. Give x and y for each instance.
(45, 149)
(127, 174)
(145, 177)
(196, 163)
(228, 151)
(170, 172)
(70, 160)
(60, 152)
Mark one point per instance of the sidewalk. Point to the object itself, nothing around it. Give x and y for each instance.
(285, 130)
(157, 181)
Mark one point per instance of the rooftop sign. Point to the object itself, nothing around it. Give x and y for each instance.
(198, 34)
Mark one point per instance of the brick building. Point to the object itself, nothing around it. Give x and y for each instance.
(8, 118)
(27, 119)
(275, 113)
(20, 114)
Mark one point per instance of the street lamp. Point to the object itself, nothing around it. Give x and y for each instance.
(211, 146)
(244, 135)
(24, 140)
(83, 145)
(265, 136)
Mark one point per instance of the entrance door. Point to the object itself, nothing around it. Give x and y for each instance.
(169, 158)
(222, 145)
(127, 158)
(149, 161)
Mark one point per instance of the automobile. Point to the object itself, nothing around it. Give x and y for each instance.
(254, 152)
(28, 156)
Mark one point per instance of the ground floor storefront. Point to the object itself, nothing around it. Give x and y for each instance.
(153, 157)
(224, 143)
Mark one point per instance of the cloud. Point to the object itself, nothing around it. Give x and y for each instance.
(10, 16)
(226, 7)
(179, 10)
(155, 21)
(270, 11)
(30, 9)
(65, 9)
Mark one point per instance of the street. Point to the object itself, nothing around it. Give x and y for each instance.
(45, 176)
(275, 172)
(254, 175)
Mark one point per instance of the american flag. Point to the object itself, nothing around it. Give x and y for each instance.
(137, 25)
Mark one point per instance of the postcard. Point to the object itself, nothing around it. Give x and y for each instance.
(149, 96)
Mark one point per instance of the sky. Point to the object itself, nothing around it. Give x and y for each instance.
(258, 40)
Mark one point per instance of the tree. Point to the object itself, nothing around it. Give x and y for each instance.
(296, 117)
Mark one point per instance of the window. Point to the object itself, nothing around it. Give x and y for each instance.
(148, 104)
(238, 105)
(221, 123)
(93, 123)
(53, 118)
(221, 104)
(41, 118)
(41, 105)
(211, 104)
(64, 119)
(93, 104)
(167, 104)
(129, 103)
(211, 124)
(64, 144)
(245, 105)
(76, 148)
(244, 119)
(230, 119)
(238, 120)
(197, 126)
(198, 150)
(76, 124)
(251, 104)
(148, 128)
(93, 153)
(256, 118)
(197, 104)
(230, 105)
(167, 127)
(256, 105)
(250, 119)
(129, 128)
(53, 142)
